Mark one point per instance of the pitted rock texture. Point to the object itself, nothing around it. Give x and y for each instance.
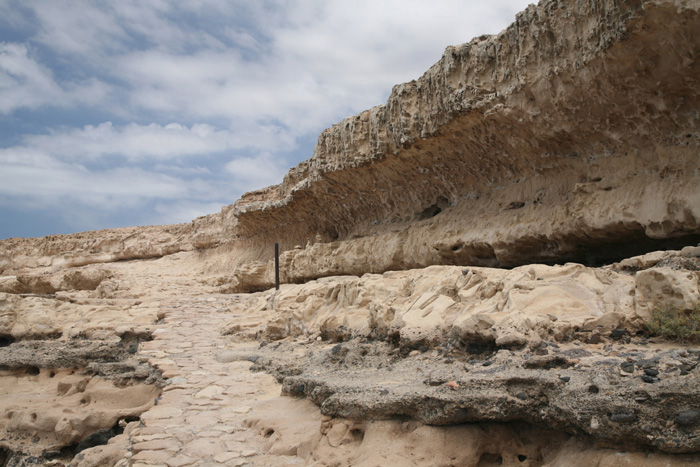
(560, 347)
(490, 306)
(571, 135)
(602, 391)
(47, 413)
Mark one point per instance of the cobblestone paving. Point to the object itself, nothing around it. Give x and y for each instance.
(199, 418)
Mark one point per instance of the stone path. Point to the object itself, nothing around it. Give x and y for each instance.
(199, 418)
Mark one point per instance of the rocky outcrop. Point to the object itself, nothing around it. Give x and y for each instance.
(624, 395)
(101, 246)
(571, 135)
(47, 414)
(55, 252)
(365, 443)
(484, 306)
(566, 347)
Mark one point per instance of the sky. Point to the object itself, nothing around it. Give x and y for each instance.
(131, 112)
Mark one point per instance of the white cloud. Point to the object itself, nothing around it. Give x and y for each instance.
(152, 141)
(302, 63)
(252, 173)
(25, 83)
(74, 172)
(245, 81)
(55, 183)
(182, 212)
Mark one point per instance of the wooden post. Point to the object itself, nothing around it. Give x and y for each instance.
(277, 266)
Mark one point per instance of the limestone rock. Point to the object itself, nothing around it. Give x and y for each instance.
(539, 144)
(666, 288)
(506, 307)
(56, 419)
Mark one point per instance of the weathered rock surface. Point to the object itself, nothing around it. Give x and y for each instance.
(559, 347)
(570, 389)
(487, 306)
(516, 354)
(395, 442)
(47, 413)
(42, 317)
(571, 135)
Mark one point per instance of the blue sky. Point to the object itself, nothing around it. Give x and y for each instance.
(125, 113)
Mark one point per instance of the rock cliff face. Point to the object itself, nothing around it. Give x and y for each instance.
(571, 135)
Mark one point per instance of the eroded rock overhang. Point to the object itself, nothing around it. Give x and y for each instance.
(571, 135)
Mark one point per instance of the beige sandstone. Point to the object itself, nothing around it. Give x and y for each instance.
(570, 138)
(61, 407)
(524, 304)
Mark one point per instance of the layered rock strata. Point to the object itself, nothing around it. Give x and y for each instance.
(622, 395)
(566, 347)
(573, 134)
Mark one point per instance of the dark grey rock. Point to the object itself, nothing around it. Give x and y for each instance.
(618, 333)
(646, 364)
(575, 353)
(631, 413)
(624, 417)
(688, 417)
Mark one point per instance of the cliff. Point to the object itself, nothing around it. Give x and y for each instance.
(571, 135)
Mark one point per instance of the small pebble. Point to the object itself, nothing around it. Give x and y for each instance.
(688, 417)
(623, 417)
(618, 333)
(649, 379)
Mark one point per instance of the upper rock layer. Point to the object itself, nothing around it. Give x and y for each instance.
(571, 135)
